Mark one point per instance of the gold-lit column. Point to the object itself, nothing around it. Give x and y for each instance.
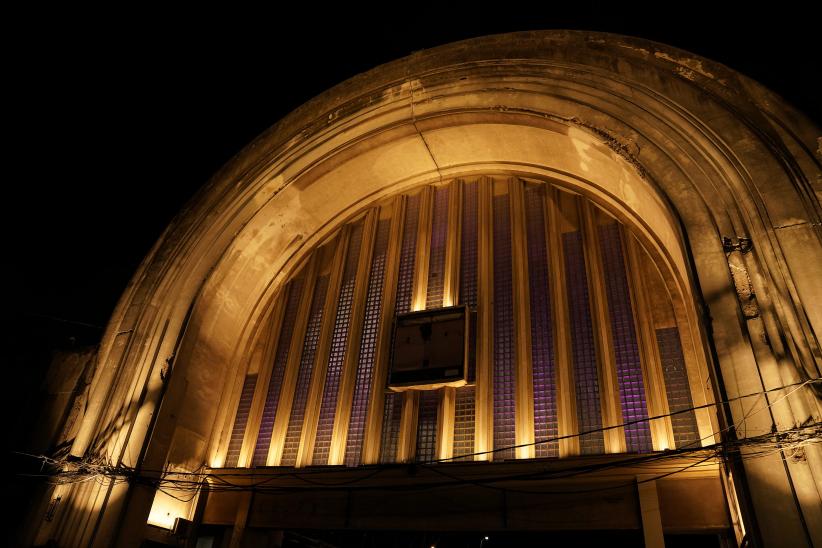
(295, 350)
(419, 290)
(445, 423)
(451, 285)
(422, 255)
(650, 512)
(373, 422)
(567, 424)
(524, 393)
(270, 333)
(345, 397)
(407, 439)
(320, 366)
(483, 432)
(609, 388)
(450, 297)
(662, 434)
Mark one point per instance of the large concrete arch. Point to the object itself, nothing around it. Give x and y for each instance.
(687, 150)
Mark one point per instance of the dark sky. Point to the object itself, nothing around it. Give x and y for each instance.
(121, 121)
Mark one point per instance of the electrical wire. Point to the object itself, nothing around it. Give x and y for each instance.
(101, 471)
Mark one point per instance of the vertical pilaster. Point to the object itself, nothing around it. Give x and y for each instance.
(524, 395)
(410, 403)
(567, 424)
(408, 426)
(662, 435)
(483, 434)
(609, 396)
(445, 417)
(651, 516)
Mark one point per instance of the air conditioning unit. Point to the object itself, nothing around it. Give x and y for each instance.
(430, 349)
(182, 527)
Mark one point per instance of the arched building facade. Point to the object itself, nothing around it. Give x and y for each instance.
(633, 233)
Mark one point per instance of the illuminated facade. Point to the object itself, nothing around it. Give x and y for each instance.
(635, 233)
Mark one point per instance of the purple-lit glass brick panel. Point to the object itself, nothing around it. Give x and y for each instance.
(468, 265)
(277, 372)
(368, 346)
(427, 425)
(464, 422)
(504, 427)
(312, 336)
(542, 336)
(582, 346)
(436, 263)
(336, 356)
(240, 421)
(677, 388)
(626, 348)
(392, 412)
(468, 247)
(405, 280)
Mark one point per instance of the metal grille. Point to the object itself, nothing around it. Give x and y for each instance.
(336, 357)
(542, 336)
(626, 348)
(427, 425)
(241, 420)
(392, 412)
(464, 422)
(677, 388)
(405, 281)
(312, 336)
(468, 266)
(436, 263)
(368, 346)
(582, 346)
(504, 383)
(274, 384)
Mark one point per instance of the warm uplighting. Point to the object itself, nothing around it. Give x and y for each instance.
(165, 509)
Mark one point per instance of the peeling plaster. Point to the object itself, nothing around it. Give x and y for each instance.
(689, 67)
(643, 51)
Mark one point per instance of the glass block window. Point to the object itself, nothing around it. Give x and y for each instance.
(542, 334)
(278, 370)
(583, 350)
(405, 282)
(427, 425)
(464, 422)
(626, 348)
(368, 346)
(686, 433)
(336, 356)
(241, 420)
(312, 336)
(585, 346)
(504, 383)
(436, 263)
(392, 412)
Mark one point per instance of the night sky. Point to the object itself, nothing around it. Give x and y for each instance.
(119, 123)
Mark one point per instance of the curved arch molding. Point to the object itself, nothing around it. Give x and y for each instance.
(686, 149)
